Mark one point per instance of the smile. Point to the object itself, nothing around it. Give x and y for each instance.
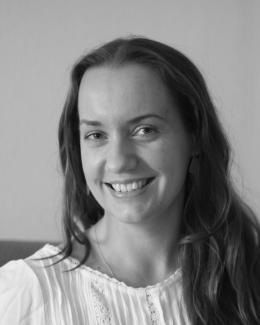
(129, 187)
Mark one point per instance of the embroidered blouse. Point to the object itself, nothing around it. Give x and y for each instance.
(33, 291)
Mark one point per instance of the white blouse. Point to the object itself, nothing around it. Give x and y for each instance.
(31, 292)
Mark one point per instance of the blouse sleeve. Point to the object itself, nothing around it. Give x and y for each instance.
(21, 299)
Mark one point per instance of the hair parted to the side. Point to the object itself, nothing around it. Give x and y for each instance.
(219, 242)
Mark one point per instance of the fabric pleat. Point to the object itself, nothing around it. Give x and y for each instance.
(36, 291)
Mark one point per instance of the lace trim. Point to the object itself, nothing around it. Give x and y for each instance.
(101, 307)
(154, 315)
(102, 275)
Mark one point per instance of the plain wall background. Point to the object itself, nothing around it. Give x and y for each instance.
(40, 40)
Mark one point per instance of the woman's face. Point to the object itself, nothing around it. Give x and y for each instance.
(134, 147)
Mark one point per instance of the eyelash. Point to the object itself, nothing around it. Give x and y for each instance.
(88, 136)
(151, 129)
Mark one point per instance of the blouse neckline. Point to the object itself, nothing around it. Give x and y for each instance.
(175, 276)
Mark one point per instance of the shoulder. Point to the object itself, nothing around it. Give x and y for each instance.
(43, 289)
(29, 288)
(16, 274)
(20, 293)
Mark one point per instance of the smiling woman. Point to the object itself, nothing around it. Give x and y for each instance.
(155, 232)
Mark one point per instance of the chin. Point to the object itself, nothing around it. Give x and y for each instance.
(133, 216)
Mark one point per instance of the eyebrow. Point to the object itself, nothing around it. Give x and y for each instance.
(132, 121)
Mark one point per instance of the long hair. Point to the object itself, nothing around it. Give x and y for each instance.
(219, 241)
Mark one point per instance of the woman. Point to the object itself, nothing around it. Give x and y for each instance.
(155, 232)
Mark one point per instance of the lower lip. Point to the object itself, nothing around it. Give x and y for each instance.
(131, 193)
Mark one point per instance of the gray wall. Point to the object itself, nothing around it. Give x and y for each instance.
(40, 39)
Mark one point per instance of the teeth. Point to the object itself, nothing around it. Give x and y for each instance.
(129, 187)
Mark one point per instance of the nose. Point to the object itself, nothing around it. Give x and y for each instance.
(121, 157)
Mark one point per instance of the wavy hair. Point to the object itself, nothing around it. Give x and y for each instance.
(219, 242)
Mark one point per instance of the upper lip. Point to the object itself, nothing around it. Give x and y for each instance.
(127, 181)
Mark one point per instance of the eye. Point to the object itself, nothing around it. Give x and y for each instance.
(146, 130)
(94, 136)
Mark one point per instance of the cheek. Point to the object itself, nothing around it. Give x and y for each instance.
(172, 161)
(89, 165)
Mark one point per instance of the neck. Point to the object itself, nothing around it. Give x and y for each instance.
(147, 250)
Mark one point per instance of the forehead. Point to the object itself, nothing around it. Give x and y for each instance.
(111, 93)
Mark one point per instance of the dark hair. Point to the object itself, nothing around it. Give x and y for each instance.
(219, 243)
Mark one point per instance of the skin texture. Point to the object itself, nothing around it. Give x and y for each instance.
(115, 149)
